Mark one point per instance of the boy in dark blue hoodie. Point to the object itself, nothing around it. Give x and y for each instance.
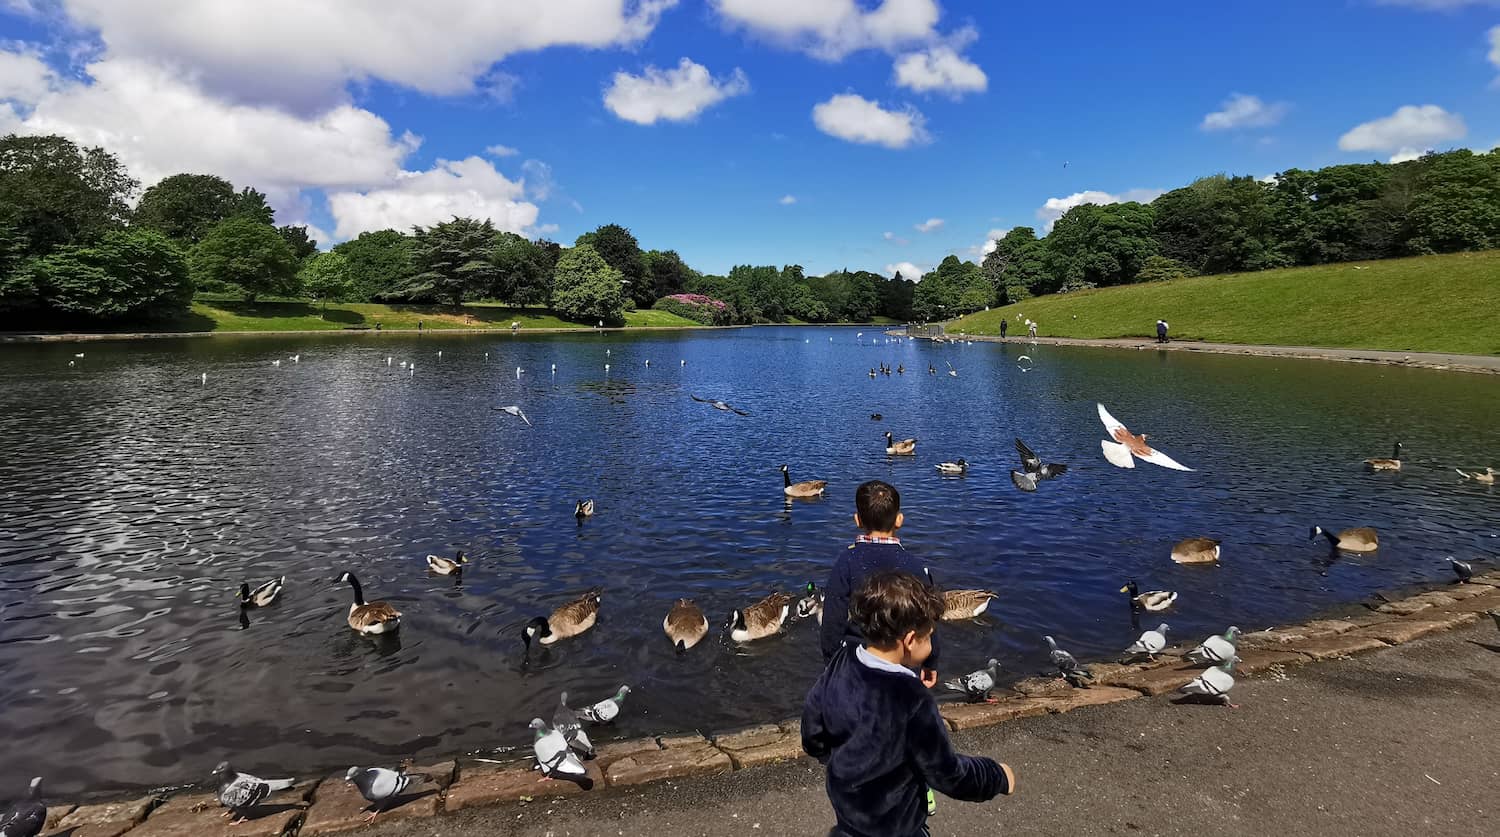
(877, 511)
(876, 728)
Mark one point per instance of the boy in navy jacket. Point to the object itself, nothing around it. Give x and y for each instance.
(871, 722)
(877, 511)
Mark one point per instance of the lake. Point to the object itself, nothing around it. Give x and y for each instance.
(138, 498)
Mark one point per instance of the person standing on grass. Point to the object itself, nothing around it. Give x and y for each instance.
(1033, 331)
(1004, 327)
(1161, 331)
(877, 730)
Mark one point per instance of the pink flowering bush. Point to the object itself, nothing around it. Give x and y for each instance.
(696, 307)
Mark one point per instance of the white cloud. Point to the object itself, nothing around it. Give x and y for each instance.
(1270, 179)
(1410, 127)
(1495, 49)
(991, 242)
(1438, 5)
(832, 29)
(929, 225)
(906, 269)
(787, 200)
(894, 239)
(303, 54)
(470, 187)
(539, 183)
(1406, 155)
(1056, 208)
(940, 69)
(675, 95)
(1244, 111)
(857, 119)
(24, 78)
(501, 151)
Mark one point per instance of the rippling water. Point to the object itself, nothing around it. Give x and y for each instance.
(137, 499)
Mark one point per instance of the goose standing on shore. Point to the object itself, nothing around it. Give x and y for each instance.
(369, 618)
(806, 489)
(685, 624)
(1392, 464)
(567, 621)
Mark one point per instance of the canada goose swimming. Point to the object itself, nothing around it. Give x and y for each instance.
(447, 566)
(569, 620)
(811, 603)
(966, 604)
(1127, 445)
(1392, 464)
(906, 447)
(958, 468)
(262, 595)
(901, 369)
(1486, 477)
(585, 508)
(685, 624)
(872, 372)
(760, 620)
(1362, 539)
(1196, 551)
(878, 417)
(805, 489)
(370, 618)
(1152, 600)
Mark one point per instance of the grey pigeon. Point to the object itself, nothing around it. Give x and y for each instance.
(1034, 464)
(239, 792)
(515, 411)
(606, 710)
(1462, 569)
(1068, 667)
(1023, 481)
(25, 818)
(380, 786)
(1215, 649)
(1150, 643)
(553, 755)
(977, 685)
(566, 721)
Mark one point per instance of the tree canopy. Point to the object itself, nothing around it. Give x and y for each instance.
(245, 253)
(54, 193)
(585, 287)
(138, 273)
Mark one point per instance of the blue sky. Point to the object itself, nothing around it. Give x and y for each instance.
(357, 114)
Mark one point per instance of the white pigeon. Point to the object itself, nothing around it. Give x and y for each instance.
(240, 792)
(1126, 446)
(553, 756)
(606, 710)
(515, 411)
(380, 786)
(1215, 683)
(1216, 649)
(566, 721)
(1150, 643)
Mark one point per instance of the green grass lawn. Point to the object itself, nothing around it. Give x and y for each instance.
(223, 314)
(1430, 303)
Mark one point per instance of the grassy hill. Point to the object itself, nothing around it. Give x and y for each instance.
(214, 314)
(1430, 303)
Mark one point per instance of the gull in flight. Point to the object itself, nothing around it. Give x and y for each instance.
(1127, 446)
(718, 405)
(515, 411)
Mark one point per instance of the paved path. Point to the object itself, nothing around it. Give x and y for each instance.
(1400, 741)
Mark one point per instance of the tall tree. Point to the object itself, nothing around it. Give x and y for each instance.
(242, 251)
(139, 273)
(1096, 245)
(452, 262)
(54, 193)
(1218, 224)
(667, 272)
(296, 237)
(1458, 207)
(1017, 268)
(379, 262)
(586, 288)
(186, 206)
(523, 270)
(619, 248)
(251, 203)
(325, 277)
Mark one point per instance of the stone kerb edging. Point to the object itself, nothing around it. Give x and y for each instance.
(331, 806)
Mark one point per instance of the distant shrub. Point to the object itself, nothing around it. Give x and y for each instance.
(696, 307)
(1162, 269)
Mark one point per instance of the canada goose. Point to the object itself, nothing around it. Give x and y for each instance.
(585, 508)
(447, 566)
(931, 370)
(369, 618)
(1487, 477)
(901, 369)
(685, 624)
(878, 417)
(568, 620)
(1392, 464)
(811, 603)
(1196, 551)
(872, 372)
(262, 595)
(1126, 445)
(1152, 600)
(953, 468)
(804, 489)
(966, 604)
(906, 447)
(1362, 539)
(760, 620)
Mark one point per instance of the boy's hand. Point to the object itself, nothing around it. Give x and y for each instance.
(929, 678)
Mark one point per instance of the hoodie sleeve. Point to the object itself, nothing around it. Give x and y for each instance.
(816, 740)
(965, 778)
(835, 607)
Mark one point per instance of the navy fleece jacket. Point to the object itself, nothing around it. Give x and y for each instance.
(883, 743)
(850, 569)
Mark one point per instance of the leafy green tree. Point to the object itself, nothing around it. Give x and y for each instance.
(1458, 205)
(251, 203)
(667, 272)
(17, 288)
(326, 278)
(379, 262)
(452, 262)
(1162, 269)
(186, 206)
(54, 193)
(523, 270)
(619, 248)
(296, 237)
(586, 288)
(140, 273)
(1096, 245)
(1218, 224)
(244, 252)
(1017, 267)
(896, 296)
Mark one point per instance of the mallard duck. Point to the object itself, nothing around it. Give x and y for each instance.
(1150, 643)
(1392, 464)
(584, 509)
(878, 417)
(1216, 649)
(569, 620)
(958, 468)
(811, 603)
(685, 624)
(805, 489)
(370, 618)
(1196, 551)
(906, 447)
(1152, 600)
(1486, 477)
(966, 604)
(760, 620)
(447, 566)
(1363, 539)
(262, 595)
(1214, 683)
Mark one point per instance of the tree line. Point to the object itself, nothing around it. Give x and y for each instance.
(74, 248)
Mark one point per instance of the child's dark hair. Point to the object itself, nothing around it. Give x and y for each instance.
(877, 504)
(891, 604)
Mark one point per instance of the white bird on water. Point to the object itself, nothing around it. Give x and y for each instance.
(203, 381)
(648, 364)
(79, 355)
(519, 370)
(297, 358)
(388, 360)
(606, 367)
(606, 352)
(440, 354)
(72, 363)
(554, 369)
(684, 363)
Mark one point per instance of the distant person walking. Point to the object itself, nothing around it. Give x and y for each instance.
(1161, 331)
(1004, 327)
(1032, 331)
(419, 325)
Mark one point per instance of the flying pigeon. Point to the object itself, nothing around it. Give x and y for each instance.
(718, 405)
(1150, 643)
(1462, 569)
(380, 786)
(1023, 481)
(515, 411)
(1034, 465)
(565, 721)
(26, 817)
(1214, 683)
(1127, 445)
(239, 792)
(552, 753)
(977, 685)
(606, 710)
(1216, 649)
(1068, 667)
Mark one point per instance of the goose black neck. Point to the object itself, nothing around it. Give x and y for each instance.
(786, 477)
(1331, 538)
(359, 593)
